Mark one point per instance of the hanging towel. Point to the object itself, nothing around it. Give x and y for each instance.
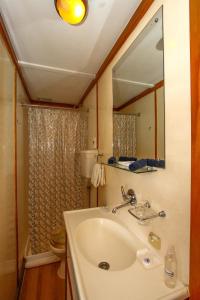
(103, 179)
(98, 175)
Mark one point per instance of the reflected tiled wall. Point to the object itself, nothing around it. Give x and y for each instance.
(124, 135)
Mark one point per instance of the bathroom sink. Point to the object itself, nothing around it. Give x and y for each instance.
(97, 240)
(105, 244)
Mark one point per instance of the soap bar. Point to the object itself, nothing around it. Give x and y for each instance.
(148, 259)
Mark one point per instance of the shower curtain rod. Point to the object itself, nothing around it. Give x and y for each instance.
(52, 107)
(127, 114)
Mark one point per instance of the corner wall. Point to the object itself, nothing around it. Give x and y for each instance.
(167, 189)
(90, 103)
(8, 242)
(22, 171)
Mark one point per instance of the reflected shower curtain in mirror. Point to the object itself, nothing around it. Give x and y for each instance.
(56, 137)
(124, 135)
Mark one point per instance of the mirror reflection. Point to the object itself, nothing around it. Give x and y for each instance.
(138, 96)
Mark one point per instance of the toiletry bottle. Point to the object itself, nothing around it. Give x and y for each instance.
(170, 268)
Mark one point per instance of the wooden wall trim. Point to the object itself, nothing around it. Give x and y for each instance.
(97, 110)
(15, 173)
(135, 19)
(156, 123)
(53, 104)
(21, 279)
(195, 163)
(141, 95)
(7, 41)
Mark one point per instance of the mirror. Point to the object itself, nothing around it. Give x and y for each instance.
(138, 96)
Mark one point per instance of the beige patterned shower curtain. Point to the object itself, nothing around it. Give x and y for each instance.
(56, 137)
(124, 135)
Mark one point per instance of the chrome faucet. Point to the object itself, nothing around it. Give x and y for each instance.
(129, 198)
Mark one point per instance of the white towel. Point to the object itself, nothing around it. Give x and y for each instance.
(98, 175)
(95, 175)
(103, 179)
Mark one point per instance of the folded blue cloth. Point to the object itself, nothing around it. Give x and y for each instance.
(136, 165)
(158, 163)
(151, 162)
(112, 160)
(127, 158)
(161, 163)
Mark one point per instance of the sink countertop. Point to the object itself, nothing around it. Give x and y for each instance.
(134, 282)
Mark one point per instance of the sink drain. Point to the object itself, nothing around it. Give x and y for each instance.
(104, 265)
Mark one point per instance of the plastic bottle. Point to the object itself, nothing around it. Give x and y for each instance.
(170, 272)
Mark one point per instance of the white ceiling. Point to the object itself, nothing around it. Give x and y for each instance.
(142, 66)
(55, 56)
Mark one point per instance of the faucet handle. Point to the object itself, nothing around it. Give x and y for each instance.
(123, 193)
(129, 196)
(131, 192)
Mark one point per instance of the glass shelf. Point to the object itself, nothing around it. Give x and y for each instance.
(146, 169)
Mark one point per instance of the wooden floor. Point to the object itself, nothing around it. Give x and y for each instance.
(42, 283)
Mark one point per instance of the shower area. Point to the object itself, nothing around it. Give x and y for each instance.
(55, 139)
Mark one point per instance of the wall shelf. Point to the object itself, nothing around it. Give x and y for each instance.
(146, 169)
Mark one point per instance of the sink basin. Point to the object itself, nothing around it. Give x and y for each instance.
(95, 236)
(105, 242)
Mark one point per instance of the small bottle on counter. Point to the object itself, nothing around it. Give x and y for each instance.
(170, 272)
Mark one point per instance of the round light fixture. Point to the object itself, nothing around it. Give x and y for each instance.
(71, 11)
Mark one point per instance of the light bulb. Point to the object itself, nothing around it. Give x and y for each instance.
(71, 11)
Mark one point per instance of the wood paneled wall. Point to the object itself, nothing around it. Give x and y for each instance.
(195, 191)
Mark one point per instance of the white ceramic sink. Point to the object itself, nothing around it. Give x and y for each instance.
(95, 235)
(102, 240)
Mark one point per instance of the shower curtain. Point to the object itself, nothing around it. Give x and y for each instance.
(124, 135)
(56, 138)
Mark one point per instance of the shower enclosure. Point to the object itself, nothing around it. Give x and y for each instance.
(56, 137)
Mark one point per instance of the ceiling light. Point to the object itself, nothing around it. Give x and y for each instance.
(71, 11)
